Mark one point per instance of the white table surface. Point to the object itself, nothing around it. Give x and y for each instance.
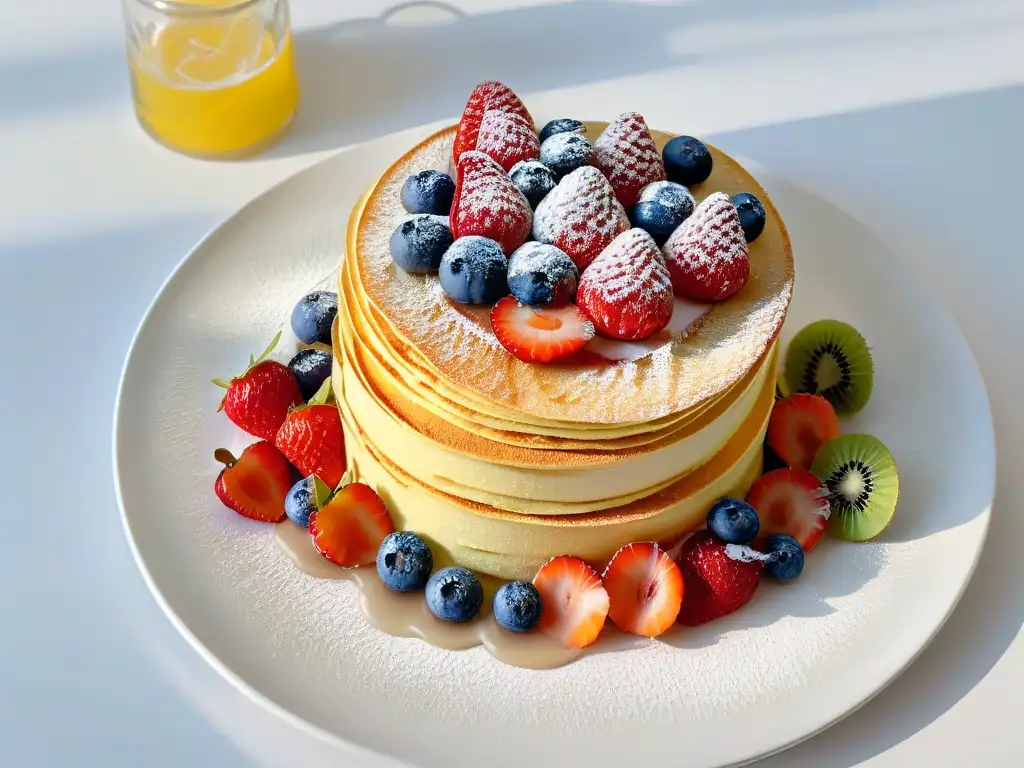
(909, 114)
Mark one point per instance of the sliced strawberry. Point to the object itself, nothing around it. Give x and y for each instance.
(311, 438)
(799, 426)
(255, 484)
(716, 584)
(575, 603)
(791, 501)
(707, 254)
(489, 95)
(488, 204)
(350, 528)
(627, 292)
(580, 216)
(628, 156)
(645, 589)
(259, 399)
(507, 138)
(542, 334)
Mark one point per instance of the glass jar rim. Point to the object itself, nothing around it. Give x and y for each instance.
(179, 8)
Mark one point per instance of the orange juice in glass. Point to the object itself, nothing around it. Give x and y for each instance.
(212, 78)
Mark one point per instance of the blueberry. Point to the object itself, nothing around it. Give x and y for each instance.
(300, 502)
(313, 317)
(311, 367)
(517, 606)
(542, 275)
(419, 242)
(428, 192)
(658, 220)
(563, 153)
(752, 215)
(785, 557)
(534, 179)
(687, 161)
(561, 125)
(733, 521)
(454, 594)
(473, 271)
(404, 562)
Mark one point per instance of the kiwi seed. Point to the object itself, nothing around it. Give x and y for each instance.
(862, 483)
(831, 359)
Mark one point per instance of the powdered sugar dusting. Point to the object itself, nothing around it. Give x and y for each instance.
(630, 269)
(628, 156)
(490, 95)
(487, 203)
(711, 235)
(538, 257)
(507, 138)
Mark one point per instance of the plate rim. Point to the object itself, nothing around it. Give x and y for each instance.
(983, 519)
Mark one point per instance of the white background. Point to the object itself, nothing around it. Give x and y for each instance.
(908, 114)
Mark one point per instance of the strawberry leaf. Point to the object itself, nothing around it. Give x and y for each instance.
(267, 351)
(322, 492)
(221, 383)
(225, 457)
(346, 479)
(323, 395)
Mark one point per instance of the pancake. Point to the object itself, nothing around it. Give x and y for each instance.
(454, 344)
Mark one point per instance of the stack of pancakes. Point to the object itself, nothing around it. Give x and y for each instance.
(503, 464)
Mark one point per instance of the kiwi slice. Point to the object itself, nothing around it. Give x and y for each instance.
(831, 359)
(862, 483)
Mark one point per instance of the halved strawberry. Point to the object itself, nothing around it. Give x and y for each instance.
(575, 603)
(350, 528)
(542, 334)
(799, 426)
(255, 484)
(791, 501)
(645, 589)
(488, 95)
(507, 138)
(716, 584)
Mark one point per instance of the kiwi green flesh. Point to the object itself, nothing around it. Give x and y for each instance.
(831, 359)
(863, 485)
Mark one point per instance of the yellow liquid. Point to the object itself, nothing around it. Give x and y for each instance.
(215, 87)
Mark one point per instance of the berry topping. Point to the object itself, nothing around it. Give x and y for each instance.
(454, 594)
(716, 583)
(581, 216)
(539, 335)
(488, 204)
(404, 562)
(255, 484)
(311, 439)
(473, 271)
(785, 559)
(707, 254)
(752, 215)
(563, 153)
(540, 274)
(419, 242)
(687, 161)
(305, 498)
(310, 367)
(428, 192)
(488, 95)
(259, 399)
(800, 424)
(627, 291)
(561, 125)
(575, 601)
(350, 528)
(734, 521)
(313, 317)
(645, 589)
(628, 156)
(507, 138)
(517, 606)
(791, 501)
(662, 207)
(533, 179)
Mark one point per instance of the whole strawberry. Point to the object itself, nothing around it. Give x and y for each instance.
(628, 156)
(718, 579)
(489, 95)
(311, 438)
(488, 204)
(259, 399)
(507, 138)
(627, 293)
(707, 255)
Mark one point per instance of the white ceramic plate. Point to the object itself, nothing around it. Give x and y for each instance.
(794, 661)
